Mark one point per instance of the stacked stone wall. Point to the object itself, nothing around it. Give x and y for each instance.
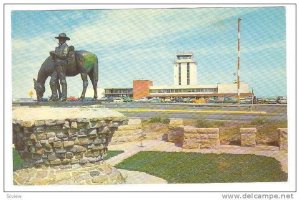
(199, 138)
(63, 142)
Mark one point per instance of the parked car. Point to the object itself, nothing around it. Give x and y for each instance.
(260, 101)
(155, 100)
(127, 99)
(200, 100)
(211, 100)
(281, 100)
(72, 98)
(219, 100)
(106, 99)
(271, 100)
(144, 99)
(186, 100)
(177, 100)
(118, 100)
(230, 100)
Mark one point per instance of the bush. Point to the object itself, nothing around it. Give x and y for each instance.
(159, 119)
(259, 121)
(203, 123)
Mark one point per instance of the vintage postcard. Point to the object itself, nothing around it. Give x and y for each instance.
(175, 97)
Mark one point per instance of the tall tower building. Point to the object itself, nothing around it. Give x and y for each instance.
(185, 69)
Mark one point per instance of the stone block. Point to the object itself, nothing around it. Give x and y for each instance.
(65, 161)
(52, 157)
(33, 137)
(27, 123)
(69, 155)
(51, 140)
(61, 135)
(175, 135)
(66, 124)
(39, 129)
(103, 130)
(84, 141)
(57, 144)
(59, 122)
(68, 144)
(41, 136)
(39, 122)
(92, 133)
(50, 122)
(283, 139)
(190, 144)
(83, 125)
(50, 135)
(39, 151)
(55, 162)
(74, 161)
(208, 130)
(83, 161)
(248, 137)
(73, 124)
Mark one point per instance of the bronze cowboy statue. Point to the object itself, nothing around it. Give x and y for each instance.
(62, 62)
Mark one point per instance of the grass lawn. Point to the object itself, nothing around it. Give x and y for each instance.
(180, 167)
(18, 162)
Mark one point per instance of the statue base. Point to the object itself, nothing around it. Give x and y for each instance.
(90, 174)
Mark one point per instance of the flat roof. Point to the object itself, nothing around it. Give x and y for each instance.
(183, 86)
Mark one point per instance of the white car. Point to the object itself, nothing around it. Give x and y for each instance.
(118, 100)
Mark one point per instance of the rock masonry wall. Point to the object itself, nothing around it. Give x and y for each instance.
(248, 137)
(283, 138)
(63, 142)
(199, 138)
(130, 132)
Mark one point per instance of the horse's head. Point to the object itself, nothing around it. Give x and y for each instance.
(39, 89)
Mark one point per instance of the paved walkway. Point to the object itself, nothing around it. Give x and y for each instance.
(132, 148)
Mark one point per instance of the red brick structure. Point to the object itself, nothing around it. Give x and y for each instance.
(141, 88)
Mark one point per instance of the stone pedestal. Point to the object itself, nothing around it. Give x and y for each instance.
(248, 137)
(63, 137)
(283, 138)
(89, 174)
(199, 138)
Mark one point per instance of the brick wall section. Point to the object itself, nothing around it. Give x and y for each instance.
(199, 138)
(248, 137)
(63, 142)
(283, 138)
(141, 88)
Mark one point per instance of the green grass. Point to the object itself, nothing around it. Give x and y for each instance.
(159, 119)
(180, 167)
(18, 162)
(112, 154)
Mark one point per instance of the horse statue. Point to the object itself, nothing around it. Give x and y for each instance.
(79, 62)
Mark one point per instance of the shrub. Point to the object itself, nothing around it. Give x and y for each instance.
(159, 119)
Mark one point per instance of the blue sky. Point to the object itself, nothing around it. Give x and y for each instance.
(142, 44)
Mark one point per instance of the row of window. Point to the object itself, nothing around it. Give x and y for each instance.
(118, 91)
(203, 90)
(187, 74)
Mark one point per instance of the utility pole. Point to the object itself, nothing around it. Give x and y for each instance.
(238, 61)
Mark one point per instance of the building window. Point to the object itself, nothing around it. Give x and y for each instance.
(179, 74)
(188, 74)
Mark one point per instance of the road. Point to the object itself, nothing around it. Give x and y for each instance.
(210, 112)
(181, 110)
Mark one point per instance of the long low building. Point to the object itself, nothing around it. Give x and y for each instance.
(194, 91)
(145, 89)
